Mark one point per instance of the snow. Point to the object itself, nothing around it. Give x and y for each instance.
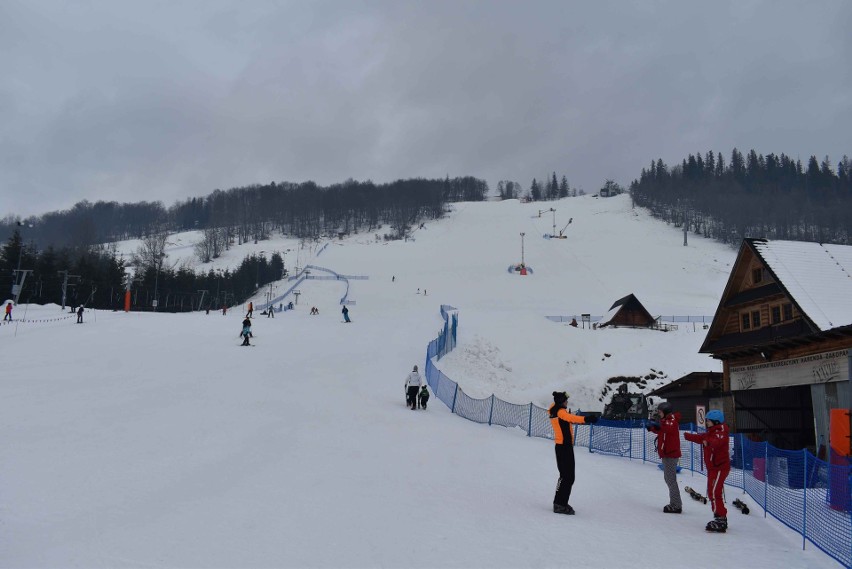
(155, 440)
(817, 276)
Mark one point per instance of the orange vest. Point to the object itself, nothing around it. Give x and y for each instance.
(562, 425)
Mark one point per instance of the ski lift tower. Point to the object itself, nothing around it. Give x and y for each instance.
(541, 211)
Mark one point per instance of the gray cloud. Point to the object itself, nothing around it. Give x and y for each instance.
(162, 101)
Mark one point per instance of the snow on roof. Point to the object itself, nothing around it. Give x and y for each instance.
(606, 318)
(817, 276)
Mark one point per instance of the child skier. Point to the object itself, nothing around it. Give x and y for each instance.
(423, 398)
(246, 333)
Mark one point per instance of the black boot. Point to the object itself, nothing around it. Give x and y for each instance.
(717, 525)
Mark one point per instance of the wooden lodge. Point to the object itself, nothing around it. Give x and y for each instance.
(628, 312)
(783, 331)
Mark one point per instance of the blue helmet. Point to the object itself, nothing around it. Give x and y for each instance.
(716, 416)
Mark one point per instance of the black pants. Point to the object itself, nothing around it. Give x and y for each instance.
(411, 398)
(565, 464)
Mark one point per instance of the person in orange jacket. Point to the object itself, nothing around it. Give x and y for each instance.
(668, 448)
(563, 436)
(8, 312)
(717, 458)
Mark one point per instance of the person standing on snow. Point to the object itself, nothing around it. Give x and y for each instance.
(668, 448)
(345, 312)
(413, 382)
(717, 459)
(563, 436)
(250, 310)
(80, 314)
(8, 312)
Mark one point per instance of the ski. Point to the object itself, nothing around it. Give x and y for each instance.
(695, 495)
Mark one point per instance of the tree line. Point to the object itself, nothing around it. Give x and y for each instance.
(96, 277)
(72, 243)
(303, 210)
(752, 195)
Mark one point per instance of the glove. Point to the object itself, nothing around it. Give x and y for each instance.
(653, 425)
(591, 419)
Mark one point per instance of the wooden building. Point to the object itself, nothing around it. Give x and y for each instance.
(688, 392)
(783, 331)
(627, 311)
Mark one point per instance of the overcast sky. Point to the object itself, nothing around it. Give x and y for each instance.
(133, 101)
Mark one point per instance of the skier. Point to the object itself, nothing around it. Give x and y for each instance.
(563, 436)
(413, 382)
(668, 448)
(270, 312)
(250, 310)
(80, 314)
(8, 312)
(345, 312)
(717, 458)
(246, 333)
(423, 398)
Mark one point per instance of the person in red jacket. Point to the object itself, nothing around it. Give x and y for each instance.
(668, 447)
(717, 457)
(563, 436)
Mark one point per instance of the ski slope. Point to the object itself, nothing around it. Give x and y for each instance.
(155, 440)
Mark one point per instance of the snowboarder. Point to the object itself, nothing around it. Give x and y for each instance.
(80, 314)
(423, 398)
(668, 448)
(413, 383)
(717, 458)
(250, 310)
(345, 312)
(563, 436)
(270, 312)
(246, 333)
(8, 315)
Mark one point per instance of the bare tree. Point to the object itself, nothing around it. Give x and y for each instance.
(152, 252)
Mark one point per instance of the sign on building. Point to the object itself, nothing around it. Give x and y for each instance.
(805, 370)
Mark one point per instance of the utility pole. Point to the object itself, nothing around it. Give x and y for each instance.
(522, 250)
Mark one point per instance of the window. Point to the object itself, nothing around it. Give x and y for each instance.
(757, 276)
(788, 311)
(776, 314)
(755, 319)
(746, 321)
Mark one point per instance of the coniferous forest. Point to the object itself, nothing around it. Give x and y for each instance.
(68, 255)
(773, 196)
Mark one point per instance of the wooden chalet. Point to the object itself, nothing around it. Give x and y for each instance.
(627, 311)
(783, 331)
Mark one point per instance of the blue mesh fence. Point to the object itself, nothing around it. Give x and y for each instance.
(806, 494)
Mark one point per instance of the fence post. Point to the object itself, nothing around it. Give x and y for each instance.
(455, 395)
(630, 447)
(645, 444)
(742, 452)
(765, 479)
(805, 500)
(529, 424)
(491, 413)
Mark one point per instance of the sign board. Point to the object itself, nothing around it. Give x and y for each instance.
(700, 413)
(804, 370)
